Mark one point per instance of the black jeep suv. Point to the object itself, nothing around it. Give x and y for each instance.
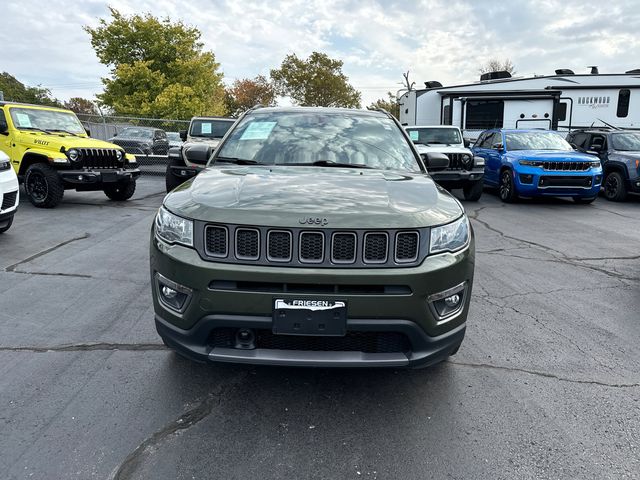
(619, 152)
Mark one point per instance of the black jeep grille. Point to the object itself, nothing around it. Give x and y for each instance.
(279, 246)
(216, 241)
(100, 158)
(375, 247)
(247, 243)
(353, 341)
(9, 200)
(343, 247)
(407, 246)
(311, 247)
(567, 166)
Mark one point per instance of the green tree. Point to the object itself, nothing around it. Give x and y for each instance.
(390, 105)
(249, 92)
(81, 105)
(16, 91)
(158, 68)
(317, 81)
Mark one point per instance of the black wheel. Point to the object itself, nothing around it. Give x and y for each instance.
(473, 191)
(583, 200)
(507, 189)
(172, 180)
(43, 186)
(614, 187)
(120, 191)
(7, 225)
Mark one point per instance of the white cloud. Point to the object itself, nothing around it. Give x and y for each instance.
(434, 39)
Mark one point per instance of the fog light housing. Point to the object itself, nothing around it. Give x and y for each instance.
(526, 178)
(448, 304)
(173, 296)
(598, 179)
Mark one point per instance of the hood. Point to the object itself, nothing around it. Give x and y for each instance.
(282, 196)
(56, 141)
(551, 156)
(439, 148)
(208, 140)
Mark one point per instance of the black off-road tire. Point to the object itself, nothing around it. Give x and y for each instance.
(614, 187)
(43, 185)
(583, 200)
(7, 226)
(120, 191)
(473, 191)
(506, 187)
(171, 180)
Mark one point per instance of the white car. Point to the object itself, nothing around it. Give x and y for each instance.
(9, 196)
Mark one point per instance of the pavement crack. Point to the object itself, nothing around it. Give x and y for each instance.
(544, 374)
(86, 347)
(54, 274)
(188, 419)
(12, 268)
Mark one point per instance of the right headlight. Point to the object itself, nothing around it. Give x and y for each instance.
(174, 229)
(451, 237)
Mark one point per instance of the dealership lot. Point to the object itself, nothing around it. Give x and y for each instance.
(546, 384)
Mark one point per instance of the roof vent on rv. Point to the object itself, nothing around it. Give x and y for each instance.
(432, 84)
(495, 75)
(564, 71)
(635, 71)
(594, 69)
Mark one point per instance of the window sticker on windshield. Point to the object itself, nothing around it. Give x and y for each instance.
(258, 131)
(413, 135)
(206, 128)
(23, 120)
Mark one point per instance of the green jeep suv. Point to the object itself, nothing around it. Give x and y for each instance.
(314, 237)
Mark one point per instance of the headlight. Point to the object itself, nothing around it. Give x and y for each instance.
(174, 229)
(595, 163)
(467, 161)
(479, 161)
(451, 237)
(4, 164)
(530, 163)
(119, 154)
(73, 155)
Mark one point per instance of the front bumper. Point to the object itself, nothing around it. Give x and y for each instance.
(430, 339)
(457, 178)
(95, 179)
(532, 181)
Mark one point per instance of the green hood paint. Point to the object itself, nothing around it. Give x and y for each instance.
(281, 196)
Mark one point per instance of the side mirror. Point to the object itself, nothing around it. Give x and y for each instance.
(183, 135)
(596, 147)
(115, 134)
(88, 132)
(435, 161)
(4, 128)
(467, 142)
(198, 153)
(498, 146)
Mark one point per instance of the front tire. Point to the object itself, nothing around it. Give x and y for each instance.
(507, 189)
(473, 191)
(43, 186)
(120, 191)
(614, 187)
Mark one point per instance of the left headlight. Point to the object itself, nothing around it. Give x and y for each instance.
(174, 229)
(119, 154)
(451, 237)
(73, 154)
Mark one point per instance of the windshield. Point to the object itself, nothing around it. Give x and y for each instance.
(136, 133)
(303, 138)
(446, 136)
(626, 142)
(210, 128)
(536, 141)
(173, 137)
(32, 118)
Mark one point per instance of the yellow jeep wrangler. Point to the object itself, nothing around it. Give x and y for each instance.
(51, 152)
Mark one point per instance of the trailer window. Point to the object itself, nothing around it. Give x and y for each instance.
(623, 103)
(562, 112)
(484, 114)
(446, 115)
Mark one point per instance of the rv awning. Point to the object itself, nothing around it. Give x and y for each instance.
(500, 93)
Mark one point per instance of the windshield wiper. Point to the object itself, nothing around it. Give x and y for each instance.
(35, 129)
(331, 163)
(237, 161)
(61, 130)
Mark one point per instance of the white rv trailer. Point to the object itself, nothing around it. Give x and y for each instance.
(562, 102)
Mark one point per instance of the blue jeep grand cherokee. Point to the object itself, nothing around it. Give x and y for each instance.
(535, 163)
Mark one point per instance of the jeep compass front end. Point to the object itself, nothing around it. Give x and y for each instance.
(314, 237)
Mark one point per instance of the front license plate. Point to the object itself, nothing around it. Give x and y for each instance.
(309, 317)
(109, 177)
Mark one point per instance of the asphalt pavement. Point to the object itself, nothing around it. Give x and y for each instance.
(545, 386)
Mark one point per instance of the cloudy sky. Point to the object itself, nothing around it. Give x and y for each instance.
(44, 43)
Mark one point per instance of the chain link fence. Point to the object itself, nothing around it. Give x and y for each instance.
(149, 139)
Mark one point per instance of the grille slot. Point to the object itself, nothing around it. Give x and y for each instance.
(279, 246)
(216, 241)
(566, 166)
(247, 244)
(100, 158)
(343, 248)
(311, 247)
(376, 245)
(9, 200)
(407, 246)
(353, 341)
